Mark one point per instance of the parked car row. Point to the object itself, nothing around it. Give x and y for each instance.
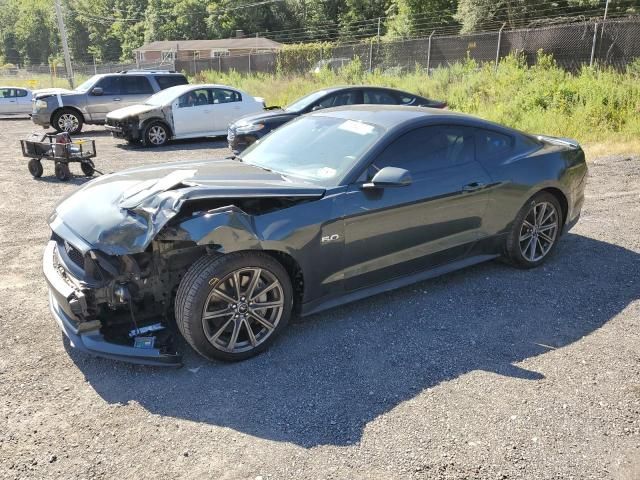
(90, 102)
(154, 107)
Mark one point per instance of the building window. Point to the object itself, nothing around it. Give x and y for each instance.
(168, 55)
(219, 52)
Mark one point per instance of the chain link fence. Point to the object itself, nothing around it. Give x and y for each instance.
(612, 43)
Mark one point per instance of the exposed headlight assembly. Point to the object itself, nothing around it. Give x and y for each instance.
(249, 128)
(41, 104)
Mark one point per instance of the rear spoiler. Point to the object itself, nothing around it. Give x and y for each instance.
(559, 141)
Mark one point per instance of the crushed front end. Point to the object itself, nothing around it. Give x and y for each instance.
(116, 307)
(127, 128)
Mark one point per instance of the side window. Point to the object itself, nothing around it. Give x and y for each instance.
(7, 93)
(221, 95)
(429, 148)
(404, 99)
(338, 100)
(379, 97)
(136, 85)
(195, 98)
(110, 85)
(493, 147)
(166, 81)
(21, 93)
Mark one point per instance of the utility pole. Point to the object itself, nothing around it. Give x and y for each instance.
(65, 45)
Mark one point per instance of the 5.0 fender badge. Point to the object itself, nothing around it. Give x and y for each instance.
(330, 238)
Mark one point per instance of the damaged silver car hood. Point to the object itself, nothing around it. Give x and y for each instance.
(121, 213)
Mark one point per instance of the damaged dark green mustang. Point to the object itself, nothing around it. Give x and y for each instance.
(335, 206)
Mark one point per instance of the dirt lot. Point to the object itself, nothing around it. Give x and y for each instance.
(489, 373)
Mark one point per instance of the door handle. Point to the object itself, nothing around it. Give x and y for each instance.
(472, 187)
(117, 99)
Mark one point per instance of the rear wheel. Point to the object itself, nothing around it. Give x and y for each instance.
(67, 120)
(62, 171)
(155, 134)
(35, 168)
(232, 307)
(535, 231)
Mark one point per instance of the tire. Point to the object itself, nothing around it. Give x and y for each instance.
(214, 338)
(62, 171)
(67, 120)
(155, 134)
(544, 230)
(88, 168)
(35, 168)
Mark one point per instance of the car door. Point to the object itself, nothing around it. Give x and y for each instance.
(7, 101)
(193, 113)
(395, 231)
(228, 107)
(104, 97)
(135, 89)
(23, 101)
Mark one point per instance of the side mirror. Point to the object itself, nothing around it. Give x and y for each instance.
(97, 91)
(390, 177)
(316, 108)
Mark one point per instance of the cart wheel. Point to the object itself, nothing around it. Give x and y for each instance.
(62, 171)
(88, 168)
(35, 168)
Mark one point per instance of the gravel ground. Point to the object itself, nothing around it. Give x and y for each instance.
(488, 373)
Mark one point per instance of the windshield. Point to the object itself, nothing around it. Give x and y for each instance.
(320, 149)
(305, 101)
(87, 84)
(162, 97)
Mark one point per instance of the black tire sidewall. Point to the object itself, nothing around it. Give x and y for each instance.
(513, 244)
(70, 111)
(196, 286)
(35, 168)
(87, 169)
(62, 171)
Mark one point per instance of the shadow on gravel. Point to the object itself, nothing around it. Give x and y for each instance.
(74, 180)
(178, 145)
(329, 375)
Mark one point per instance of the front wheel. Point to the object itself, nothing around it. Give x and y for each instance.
(67, 120)
(88, 168)
(232, 307)
(155, 134)
(535, 231)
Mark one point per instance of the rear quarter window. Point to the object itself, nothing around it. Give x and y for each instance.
(495, 148)
(166, 81)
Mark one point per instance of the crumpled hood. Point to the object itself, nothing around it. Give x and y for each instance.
(130, 111)
(121, 213)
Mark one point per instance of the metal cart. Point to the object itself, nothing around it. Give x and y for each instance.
(60, 149)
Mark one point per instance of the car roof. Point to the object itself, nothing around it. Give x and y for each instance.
(179, 89)
(390, 116)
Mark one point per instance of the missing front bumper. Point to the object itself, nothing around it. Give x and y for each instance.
(86, 336)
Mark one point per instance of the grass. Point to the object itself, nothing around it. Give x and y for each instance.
(37, 81)
(598, 107)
